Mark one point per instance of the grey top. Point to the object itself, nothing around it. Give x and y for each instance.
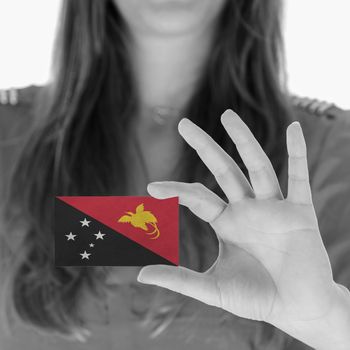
(327, 132)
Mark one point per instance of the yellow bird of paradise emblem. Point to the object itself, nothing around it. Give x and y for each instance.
(140, 219)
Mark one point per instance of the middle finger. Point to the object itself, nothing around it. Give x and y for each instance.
(261, 173)
(227, 173)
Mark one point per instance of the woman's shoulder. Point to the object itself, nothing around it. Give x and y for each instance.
(17, 109)
(320, 108)
(326, 128)
(319, 115)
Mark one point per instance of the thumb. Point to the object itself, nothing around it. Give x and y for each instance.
(182, 280)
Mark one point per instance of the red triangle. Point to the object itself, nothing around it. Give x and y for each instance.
(108, 209)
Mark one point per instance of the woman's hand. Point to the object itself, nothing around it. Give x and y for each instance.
(272, 265)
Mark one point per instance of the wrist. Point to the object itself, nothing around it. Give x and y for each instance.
(339, 320)
(333, 331)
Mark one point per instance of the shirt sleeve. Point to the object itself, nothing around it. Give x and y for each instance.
(331, 197)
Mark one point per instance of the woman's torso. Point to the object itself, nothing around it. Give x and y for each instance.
(198, 326)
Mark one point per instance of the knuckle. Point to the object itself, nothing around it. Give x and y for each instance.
(224, 171)
(198, 188)
(298, 178)
(200, 192)
(198, 185)
(258, 167)
(184, 276)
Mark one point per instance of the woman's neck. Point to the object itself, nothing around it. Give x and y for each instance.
(167, 68)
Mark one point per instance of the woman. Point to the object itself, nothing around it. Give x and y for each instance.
(126, 72)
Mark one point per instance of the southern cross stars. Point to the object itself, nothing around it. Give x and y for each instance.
(70, 236)
(99, 235)
(85, 222)
(85, 255)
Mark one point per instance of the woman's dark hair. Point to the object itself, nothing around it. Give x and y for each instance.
(77, 144)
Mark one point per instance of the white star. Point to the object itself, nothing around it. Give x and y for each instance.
(85, 223)
(99, 235)
(85, 255)
(70, 236)
(91, 245)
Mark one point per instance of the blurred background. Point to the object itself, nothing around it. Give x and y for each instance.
(316, 36)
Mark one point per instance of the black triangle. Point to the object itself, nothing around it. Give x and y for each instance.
(114, 250)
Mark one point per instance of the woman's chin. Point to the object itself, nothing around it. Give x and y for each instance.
(169, 17)
(170, 23)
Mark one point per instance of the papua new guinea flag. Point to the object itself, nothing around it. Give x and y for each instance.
(116, 231)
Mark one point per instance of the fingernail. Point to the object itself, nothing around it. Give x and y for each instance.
(184, 120)
(155, 183)
(230, 111)
(228, 114)
(183, 124)
(142, 279)
(153, 186)
(139, 278)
